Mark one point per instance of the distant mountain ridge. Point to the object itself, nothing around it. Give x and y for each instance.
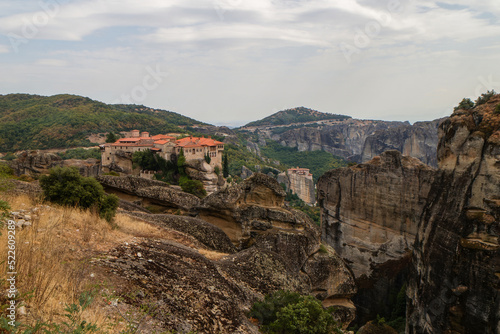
(296, 115)
(62, 121)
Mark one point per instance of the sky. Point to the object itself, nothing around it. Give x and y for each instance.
(234, 61)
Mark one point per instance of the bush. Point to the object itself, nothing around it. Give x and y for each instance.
(65, 186)
(112, 173)
(465, 104)
(485, 97)
(217, 170)
(194, 187)
(207, 158)
(289, 312)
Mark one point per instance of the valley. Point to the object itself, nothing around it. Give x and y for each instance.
(376, 219)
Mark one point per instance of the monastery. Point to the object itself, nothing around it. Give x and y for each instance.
(119, 154)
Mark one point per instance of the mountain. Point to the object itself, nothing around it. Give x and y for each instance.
(296, 115)
(61, 121)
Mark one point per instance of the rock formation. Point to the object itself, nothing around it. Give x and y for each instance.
(455, 281)
(418, 140)
(360, 140)
(370, 212)
(300, 182)
(263, 247)
(202, 171)
(370, 215)
(373, 212)
(149, 193)
(38, 162)
(35, 162)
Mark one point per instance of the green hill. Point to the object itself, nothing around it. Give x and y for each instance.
(296, 115)
(62, 121)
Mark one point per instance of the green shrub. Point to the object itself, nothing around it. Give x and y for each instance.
(291, 313)
(485, 97)
(65, 186)
(465, 104)
(111, 137)
(194, 187)
(207, 158)
(112, 173)
(217, 170)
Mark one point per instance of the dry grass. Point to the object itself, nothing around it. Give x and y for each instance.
(53, 257)
(212, 255)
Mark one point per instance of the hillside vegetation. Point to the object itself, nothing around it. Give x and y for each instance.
(62, 121)
(318, 162)
(296, 115)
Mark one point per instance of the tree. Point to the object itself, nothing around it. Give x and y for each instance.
(465, 104)
(181, 161)
(65, 186)
(289, 312)
(111, 137)
(225, 166)
(207, 158)
(485, 97)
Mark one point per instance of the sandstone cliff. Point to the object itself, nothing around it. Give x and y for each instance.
(370, 215)
(260, 247)
(38, 162)
(360, 140)
(202, 171)
(455, 281)
(157, 195)
(370, 212)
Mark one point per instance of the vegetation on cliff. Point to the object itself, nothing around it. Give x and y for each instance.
(318, 162)
(60, 121)
(296, 115)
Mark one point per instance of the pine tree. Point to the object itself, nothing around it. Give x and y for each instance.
(111, 138)
(225, 166)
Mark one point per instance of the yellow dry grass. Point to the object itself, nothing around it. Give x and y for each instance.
(212, 255)
(53, 256)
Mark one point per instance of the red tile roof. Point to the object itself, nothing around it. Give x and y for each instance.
(197, 142)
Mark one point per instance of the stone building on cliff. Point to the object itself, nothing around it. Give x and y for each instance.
(117, 156)
(300, 182)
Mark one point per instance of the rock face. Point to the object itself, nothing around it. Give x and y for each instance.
(361, 140)
(35, 162)
(202, 171)
(455, 281)
(370, 215)
(148, 192)
(264, 248)
(300, 182)
(418, 140)
(253, 215)
(38, 162)
(370, 212)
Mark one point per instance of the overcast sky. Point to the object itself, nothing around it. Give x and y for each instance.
(232, 61)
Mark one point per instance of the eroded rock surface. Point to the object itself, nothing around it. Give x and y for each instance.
(370, 212)
(262, 247)
(148, 192)
(455, 280)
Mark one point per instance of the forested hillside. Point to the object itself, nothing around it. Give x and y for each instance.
(61, 121)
